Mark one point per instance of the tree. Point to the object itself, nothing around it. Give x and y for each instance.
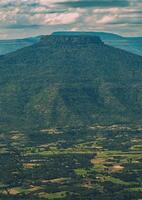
(11, 168)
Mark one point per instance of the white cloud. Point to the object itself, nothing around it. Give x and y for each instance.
(55, 18)
(45, 2)
(107, 19)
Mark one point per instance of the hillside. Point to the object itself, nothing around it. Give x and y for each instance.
(7, 46)
(70, 81)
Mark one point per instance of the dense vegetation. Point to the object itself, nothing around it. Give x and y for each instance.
(70, 81)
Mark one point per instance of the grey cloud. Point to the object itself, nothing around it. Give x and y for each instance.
(23, 26)
(130, 22)
(95, 3)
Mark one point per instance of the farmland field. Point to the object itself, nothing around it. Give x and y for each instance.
(100, 162)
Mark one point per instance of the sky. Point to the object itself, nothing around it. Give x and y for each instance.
(26, 18)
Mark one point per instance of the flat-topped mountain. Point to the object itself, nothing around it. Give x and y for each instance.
(70, 81)
(130, 44)
(70, 40)
(102, 35)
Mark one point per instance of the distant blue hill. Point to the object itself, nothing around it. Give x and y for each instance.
(7, 46)
(131, 44)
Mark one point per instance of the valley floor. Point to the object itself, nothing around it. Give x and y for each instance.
(90, 163)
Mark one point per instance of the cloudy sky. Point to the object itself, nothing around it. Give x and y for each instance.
(24, 18)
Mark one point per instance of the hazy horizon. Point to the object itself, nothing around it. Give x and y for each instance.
(32, 36)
